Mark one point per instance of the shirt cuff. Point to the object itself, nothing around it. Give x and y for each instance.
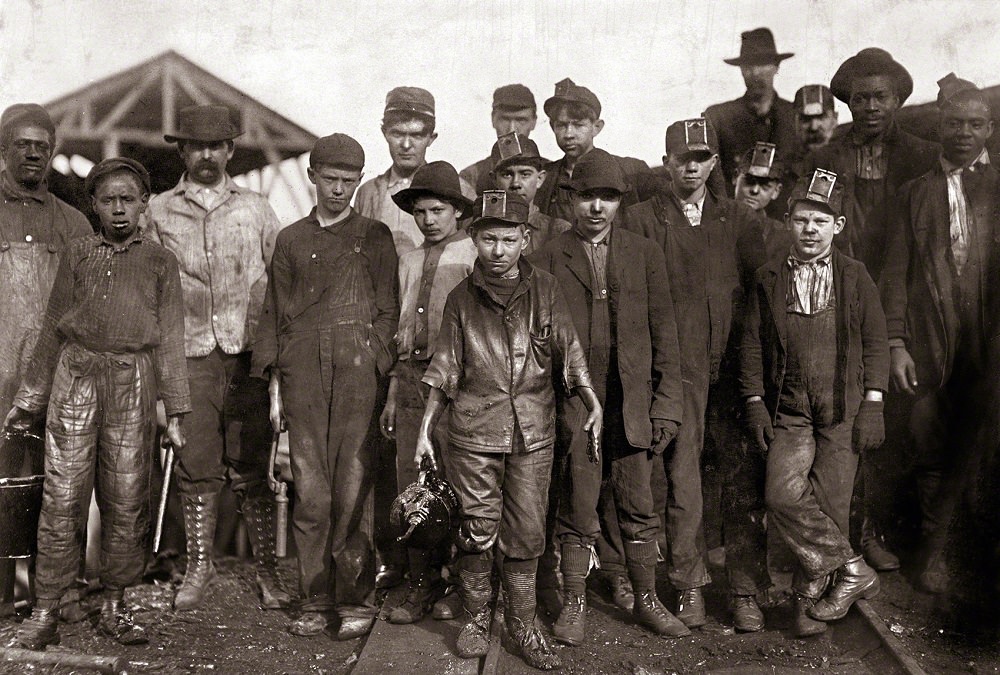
(897, 342)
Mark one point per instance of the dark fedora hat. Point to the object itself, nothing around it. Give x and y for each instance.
(206, 123)
(439, 179)
(597, 170)
(757, 47)
(871, 61)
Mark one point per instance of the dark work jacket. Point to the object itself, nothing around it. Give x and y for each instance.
(498, 364)
(739, 127)
(862, 346)
(643, 183)
(703, 265)
(865, 235)
(643, 313)
(917, 283)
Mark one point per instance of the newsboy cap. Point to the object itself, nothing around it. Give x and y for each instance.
(515, 148)
(410, 99)
(438, 179)
(812, 100)
(757, 48)
(112, 165)
(338, 150)
(499, 208)
(694, 135)
(513, 97)
(597, 170)
(26, 113)
(570, 92)
(950, 86)
(761, 161)
(821, 187)
(206, 123)
(871, 61)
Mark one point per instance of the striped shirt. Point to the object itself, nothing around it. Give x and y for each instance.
(115, 299)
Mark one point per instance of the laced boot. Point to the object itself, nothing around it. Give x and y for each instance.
(117, 623)
(200, 511)
(527, 639)
(691, 607)
(874, 551)
(807, 593)
(648, 611)
(420, 595)
(622, 594)
(39, 630)
(258, 512)
(571, 625)
(855, 580)
(475, 589)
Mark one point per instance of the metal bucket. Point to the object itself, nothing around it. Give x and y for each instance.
(20, 497)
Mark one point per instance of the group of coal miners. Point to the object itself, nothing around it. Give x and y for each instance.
(559, 340)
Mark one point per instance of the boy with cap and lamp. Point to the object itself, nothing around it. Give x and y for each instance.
(506, 339)
(519, 168)
(325, 336)
(813, 369)
(699, 233)
(408, 127)
(616, 286)
(575, 118)
(35, 227)
(426, 275)
(101, 360)
(514, 112)
(936, 291)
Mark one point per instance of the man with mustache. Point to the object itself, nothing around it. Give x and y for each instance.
(223, 237)
(760, 114)
(35, 227)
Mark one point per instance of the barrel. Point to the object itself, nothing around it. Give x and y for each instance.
(20, 504)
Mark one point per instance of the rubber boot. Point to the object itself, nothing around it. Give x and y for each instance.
(855, 580)
(200, 512)
(420, 595)
(571, 625)
(475, 589)
(258, 513)
(40, 629)
(527, 639)
(807, 593)
(117, 623)
(640, 560)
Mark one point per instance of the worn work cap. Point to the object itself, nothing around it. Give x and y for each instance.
(437, 179)
(597, 170)
(871, 61)
(499, 208)
(694, 135)
(106, 167)
(206, 123)
(338, 150)
(822, 187)
(813, 100)
(515, 148)
(761, 161)
(950, 86)
(410, 99)
(20, 114)
(757, 48)
(513, 97)
(569, 91)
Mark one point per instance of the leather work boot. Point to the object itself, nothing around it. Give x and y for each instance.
(388, 576)
(258, 512)
(116, 622)
(804, 625)
(621, 592)
(473, 640)
(652, 614)
(449, 606)
(39, 630)
(855, 580)
(355, 622)
(747, 617)
(874, 551)
(530, 644)
(691, 607)
(571, 625)
(475, 588)
(200, 511)
(419, 601)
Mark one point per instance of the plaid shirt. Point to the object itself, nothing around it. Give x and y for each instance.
(223, 253)
(114, 300)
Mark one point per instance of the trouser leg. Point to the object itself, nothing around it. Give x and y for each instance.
(199, 468)
(247, 428)
(743, 509)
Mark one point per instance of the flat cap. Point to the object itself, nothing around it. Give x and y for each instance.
(694, 135)
(950, 86)
(112, 165)
(822, 187)
(26, 113)
(761, 161)
(597, 170)
(813, 100)
(338, 150)
(410, 99)
(871, 61)
(513, 97)
(569, 91)
(499, 208)
(515, 148)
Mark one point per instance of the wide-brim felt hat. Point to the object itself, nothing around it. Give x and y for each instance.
(439, 179)
(871, 61)
(207, 123)
(597, 170)
(757, 47)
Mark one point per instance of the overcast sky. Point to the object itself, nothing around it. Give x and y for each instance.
(328, 65)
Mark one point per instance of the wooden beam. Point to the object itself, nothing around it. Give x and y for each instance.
(190, 88)
(169, 98)
(126, 104)
(110, 147)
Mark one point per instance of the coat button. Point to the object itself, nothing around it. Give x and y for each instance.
(420, 310)
(27, 237)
